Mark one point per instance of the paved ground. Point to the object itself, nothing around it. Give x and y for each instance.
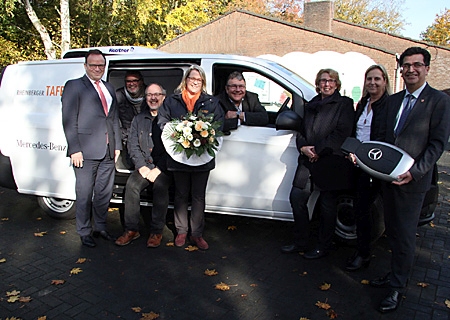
(264, 284)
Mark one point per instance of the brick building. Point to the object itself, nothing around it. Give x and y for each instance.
(249, 34)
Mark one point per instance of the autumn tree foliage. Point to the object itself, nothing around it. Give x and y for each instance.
(439, 32)
(287, 10)
(384, 15)
(148, 22)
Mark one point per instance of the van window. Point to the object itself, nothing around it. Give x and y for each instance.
(168, 77)
(271, 94)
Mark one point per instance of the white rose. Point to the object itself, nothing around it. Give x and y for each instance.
(187, 131)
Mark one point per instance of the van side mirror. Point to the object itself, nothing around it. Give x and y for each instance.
(288, 120)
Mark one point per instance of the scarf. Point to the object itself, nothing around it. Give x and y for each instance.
(190, 99)
(139, 97)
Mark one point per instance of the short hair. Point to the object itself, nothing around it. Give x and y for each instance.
(182, 85)
(236, 75)
(94, 51)
(416, 50)
(135, 73)
(163, 91)
(333, 74)
(385, 76)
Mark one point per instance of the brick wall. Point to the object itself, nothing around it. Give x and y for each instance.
(252, 35)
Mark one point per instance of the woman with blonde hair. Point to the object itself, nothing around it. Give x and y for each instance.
(190, 180)
(369, 125)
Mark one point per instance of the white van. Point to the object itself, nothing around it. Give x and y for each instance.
(254, 169)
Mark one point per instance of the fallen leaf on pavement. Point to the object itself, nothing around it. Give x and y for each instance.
(149, 316)
(40, 234)
(432, 224)
(63, 232)
(365, 282)
(136, 309)
(332, 314)
(304, 318)
(325, 286)
(191, 248)
(447, 303)
(42, 318)
(5, 219)
(24, 299)
(75, 271)
(12, 293)
(13, 299)
(232, 228)
(2, 260)
(56, 282)
(170, 244)
(423, 284)
(253, 285)
(323, 305)
(222, 286)
(81, 260)
(212, 272)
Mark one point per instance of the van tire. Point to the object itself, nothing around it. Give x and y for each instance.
(61, 209)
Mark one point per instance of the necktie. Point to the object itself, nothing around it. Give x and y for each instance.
(102, 97)
(406, 111)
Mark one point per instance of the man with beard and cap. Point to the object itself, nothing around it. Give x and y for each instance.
(241, 106)
(129, 99)
(149, 157)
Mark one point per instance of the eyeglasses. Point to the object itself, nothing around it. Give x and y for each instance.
(236, 86)
(415, 65)
(94, 66)
(325, 81)
(156, 95)
(195, 79)
(132, 81)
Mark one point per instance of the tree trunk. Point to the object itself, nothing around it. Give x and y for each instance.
(65, 26)
(50, 50)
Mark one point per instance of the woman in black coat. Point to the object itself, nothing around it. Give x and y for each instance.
(190, 180)
(328, 121)
(369, 124)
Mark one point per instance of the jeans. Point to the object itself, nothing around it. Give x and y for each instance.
(135, 184)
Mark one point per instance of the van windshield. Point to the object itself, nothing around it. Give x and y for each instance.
(289, 72)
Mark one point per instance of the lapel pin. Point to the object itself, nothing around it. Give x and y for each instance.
(423, 100)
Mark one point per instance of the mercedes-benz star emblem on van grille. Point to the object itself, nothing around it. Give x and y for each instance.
(375, 154)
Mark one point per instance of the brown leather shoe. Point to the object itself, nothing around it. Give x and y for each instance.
(200, 243)
(154, 240)
(180, 240)
(127, 237)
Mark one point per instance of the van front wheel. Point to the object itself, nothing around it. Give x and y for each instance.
(58, 208)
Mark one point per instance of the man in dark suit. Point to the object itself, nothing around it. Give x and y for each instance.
(91, 125)
(241, 106)
(417, 121)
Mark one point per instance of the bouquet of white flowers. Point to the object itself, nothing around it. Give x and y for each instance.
(193, 135)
